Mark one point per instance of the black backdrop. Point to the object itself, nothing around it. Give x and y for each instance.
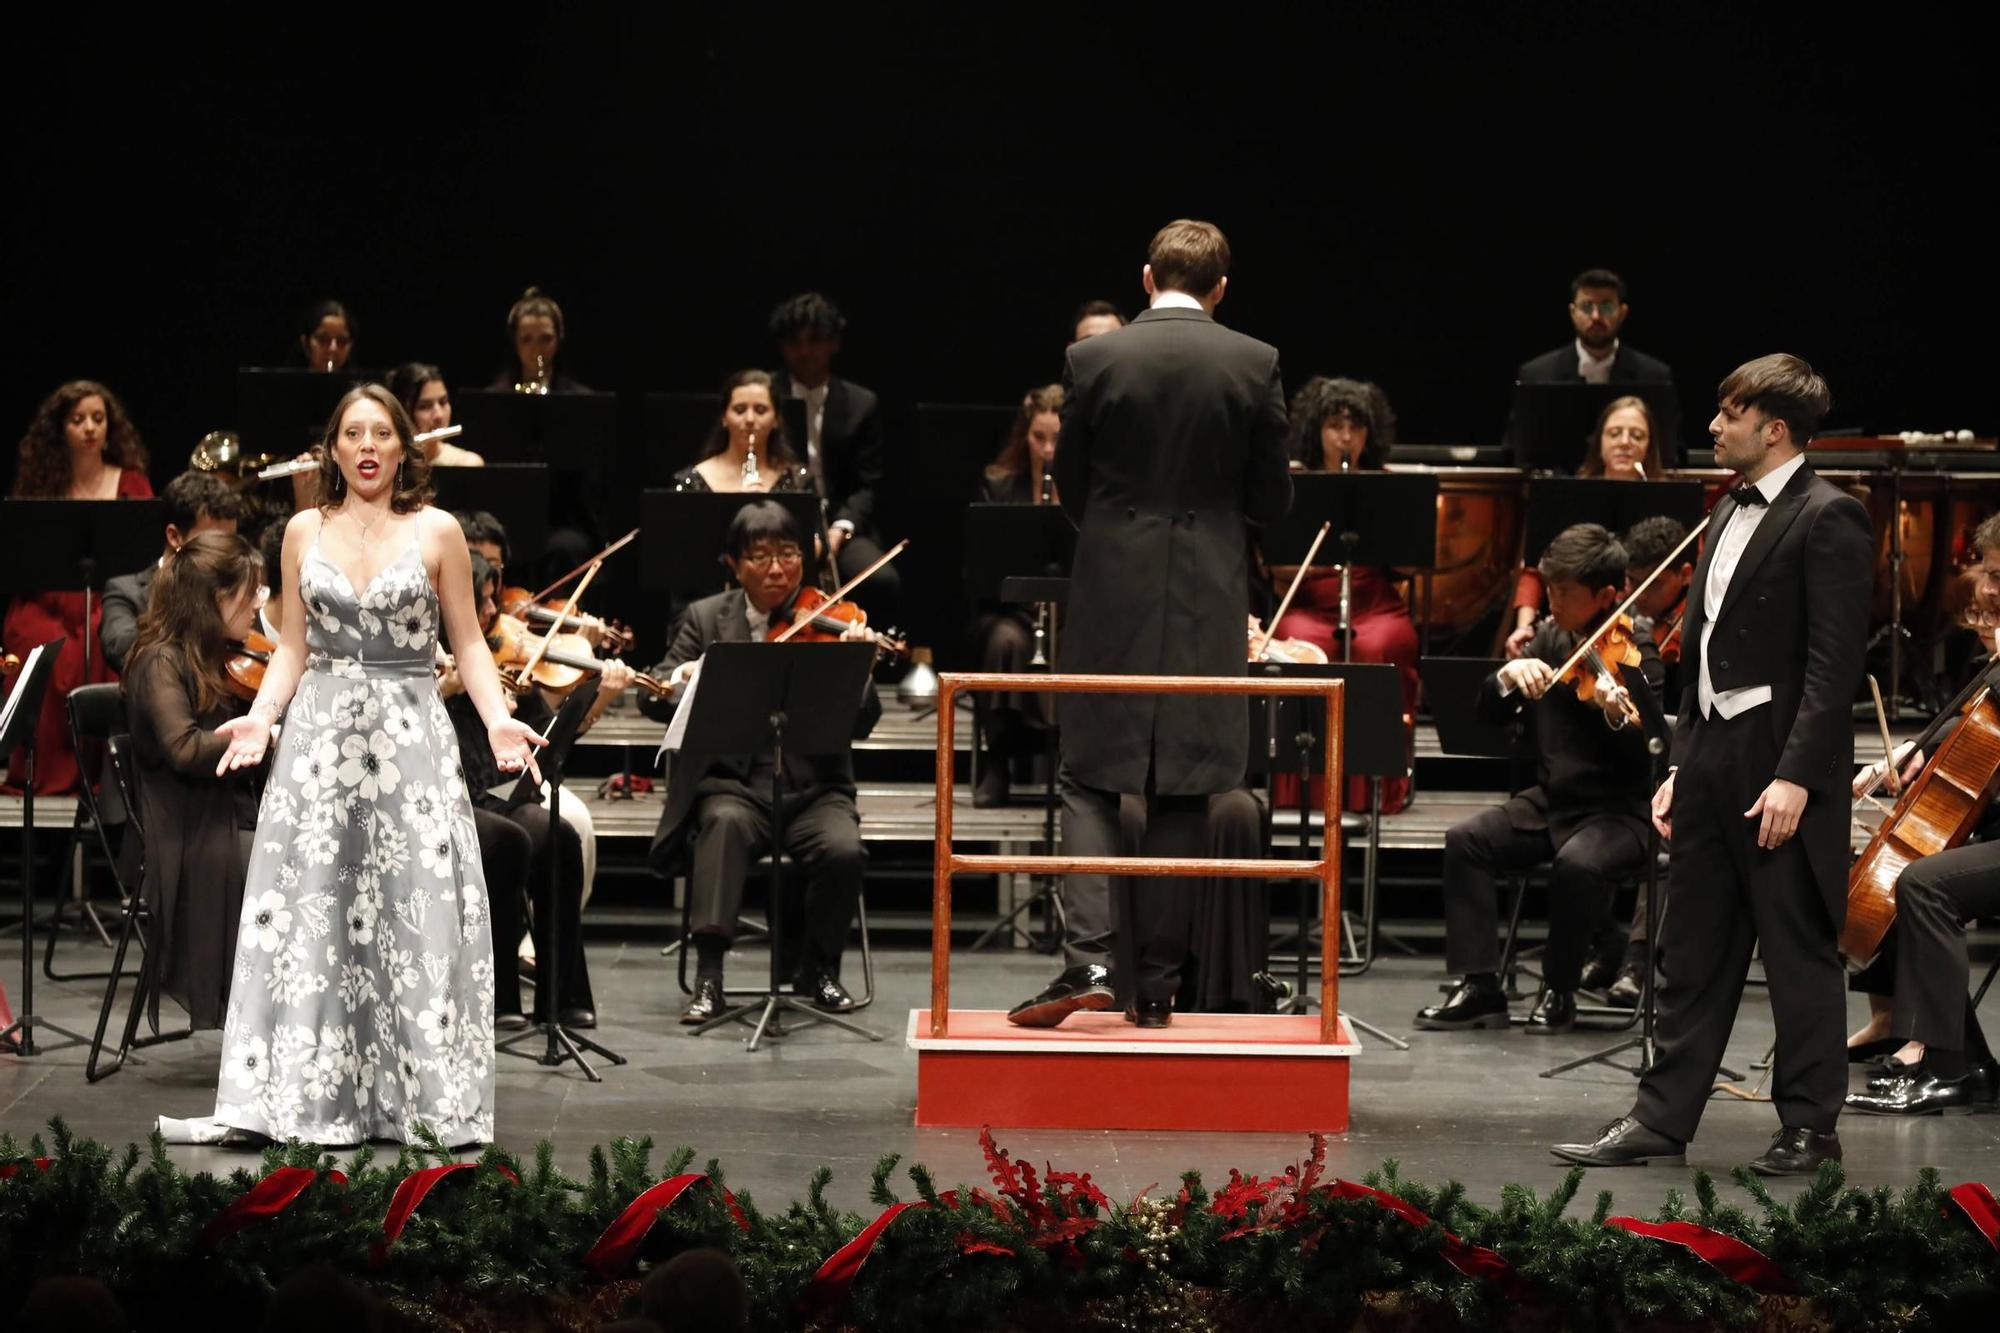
(1407, 192)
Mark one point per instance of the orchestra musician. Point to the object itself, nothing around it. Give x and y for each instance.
(326, 337)
(1586, 811)
(1756, 805)
(1093, 318)
(79, 445)
(746, 449)
(1342, 425)
(1173, 436)
(535, 334)
(843, 449)
(718, 806)
(420, 388)
(197, 502)
(1597, 312)
(1010, 727)
(199, 827)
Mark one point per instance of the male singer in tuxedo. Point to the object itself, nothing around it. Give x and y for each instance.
(1756, 805)
(1173, 435)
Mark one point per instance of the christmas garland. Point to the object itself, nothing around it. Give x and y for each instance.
(501, 1242)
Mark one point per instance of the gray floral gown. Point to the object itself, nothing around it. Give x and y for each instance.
(361, 1004)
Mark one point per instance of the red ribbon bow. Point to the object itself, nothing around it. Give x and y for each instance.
(1976, 1202)
(1726, 1254)
(410, 1193)
(619, 1245)
(264, 1200)
(1472, 1260)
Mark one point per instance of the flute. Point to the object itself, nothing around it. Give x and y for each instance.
(279, 471)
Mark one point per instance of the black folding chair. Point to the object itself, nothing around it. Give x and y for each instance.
(683, 946)
(96, 714)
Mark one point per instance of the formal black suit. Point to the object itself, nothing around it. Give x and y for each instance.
(1794, 617)
(124, 602)
(1173, 435)
(1587, 810)
(1559, 366)
(720, 806)
(852, 464)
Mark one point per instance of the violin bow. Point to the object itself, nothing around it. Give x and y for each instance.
(1297, 579)
(542, 644)
(588, 565)
(840, 593)
(1590, 640)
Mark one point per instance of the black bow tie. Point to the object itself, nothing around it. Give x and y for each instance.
(1747, 495)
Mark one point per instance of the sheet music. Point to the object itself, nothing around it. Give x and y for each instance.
(677, 729)
(21, 678)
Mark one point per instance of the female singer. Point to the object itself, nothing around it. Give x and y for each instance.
(1624, 446)
(79, 445)
(364, 998)
(1012, 726)
(421, 390)
(535, 333)
(198, 826)
(327, 338)
(748, 421)
(1341, 425)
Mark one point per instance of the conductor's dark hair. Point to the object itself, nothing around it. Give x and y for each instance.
(807, 311)
(1093, 309)
(1651, 540)
(480, 526)
(1324, 398)
(1597, 277)
(192, 494)
(760, 521)
(1188, 256)
(1587, 554)
(1783, 388)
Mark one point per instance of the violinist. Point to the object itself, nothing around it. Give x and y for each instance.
(199, 827)
(718, 806)
(507, 888)
(1587, 809)
(1011, 727)
(197, 502)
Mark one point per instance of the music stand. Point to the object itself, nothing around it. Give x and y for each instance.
(74, 545)
(284, 410)
(801, 697)
(673, 428)
(571, 432)
(1375, 518)
(683, 531)
(18, 718)
(1373, 746)
(1551, 424)
(1452, 685)
(561, 1042)
(1557, 503)
(515, 493)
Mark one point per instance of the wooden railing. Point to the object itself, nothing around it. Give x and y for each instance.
(947, 863)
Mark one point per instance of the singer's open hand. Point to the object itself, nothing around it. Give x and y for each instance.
(514, 744)
(249, 737)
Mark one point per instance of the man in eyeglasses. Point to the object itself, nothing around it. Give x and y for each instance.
(719, 806)
(1597, 310)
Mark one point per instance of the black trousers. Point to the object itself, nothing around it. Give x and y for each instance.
(732, 827)
(1730, 897)
(1587, 868)
(515, 847)
(1162, 910)
(1923, 962)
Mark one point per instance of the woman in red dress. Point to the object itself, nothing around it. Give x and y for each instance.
(79, 446)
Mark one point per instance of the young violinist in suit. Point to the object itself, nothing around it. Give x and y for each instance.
(718, 806)
(196, 502)
(1756, 806)
(1587, 809)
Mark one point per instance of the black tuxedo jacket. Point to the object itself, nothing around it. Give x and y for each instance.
(1173, 435)
(1631, 366)
(124, 602)
(850, 450)
(721, 618)
(1795, 617)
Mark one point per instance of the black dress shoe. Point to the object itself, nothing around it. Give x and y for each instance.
(1155, 1013)
(1623, 1142)
(1797, 1151)
(1084, 987)
(577, 1017)
(705, 1003)
(1554, 1013)
(514, 1022)
(1269, 993)
(1887, 1072)
(1630, 986)
(1471, 1004)
(1920, 1092)
(825, 992)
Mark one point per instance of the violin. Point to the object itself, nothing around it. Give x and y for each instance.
(245, 664)
(1264, 648)
(1595, 671)
(825, 622)
(546, 614)
(561, 666)
(1667, 636)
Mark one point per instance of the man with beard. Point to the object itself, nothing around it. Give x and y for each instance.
(1597, 310)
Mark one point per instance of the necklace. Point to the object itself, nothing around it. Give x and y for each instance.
(367, 529)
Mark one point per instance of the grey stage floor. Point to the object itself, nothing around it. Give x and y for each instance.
(1466, 1106)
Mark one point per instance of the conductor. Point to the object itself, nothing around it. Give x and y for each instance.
(1172, 436)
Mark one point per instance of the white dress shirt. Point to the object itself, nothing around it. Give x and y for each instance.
(1593, 370)
(1729, 545)
(815, 401)
(1171, 300)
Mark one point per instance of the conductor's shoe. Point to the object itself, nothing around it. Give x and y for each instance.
(1554, 1013)
(1086, 986)
(1797, 1151)
(1623, 1142)
(705, 1003)
(1155, 1013)
(825, 992)
(1476, 1002)
(1920, 1092)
